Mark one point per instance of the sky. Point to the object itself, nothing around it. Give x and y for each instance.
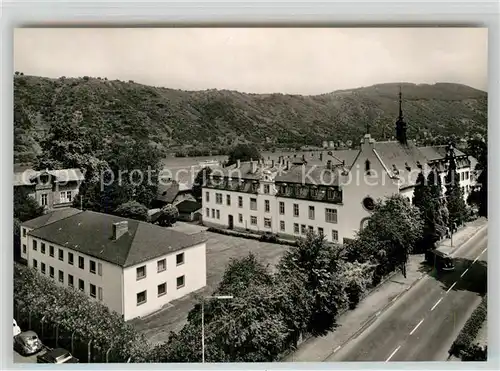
(258, 60)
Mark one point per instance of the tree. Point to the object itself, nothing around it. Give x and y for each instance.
(454, 195)
(390, 236)
(243, 152)
(358, 277)
(475, 353)
(200, 180)
(319, 265)
(168, 216)
(133, 210)
(25, 206)
(17, 239)
(478, 148)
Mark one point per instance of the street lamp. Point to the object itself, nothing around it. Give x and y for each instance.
(220, 297)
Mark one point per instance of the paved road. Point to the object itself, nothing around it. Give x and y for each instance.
(423, 323)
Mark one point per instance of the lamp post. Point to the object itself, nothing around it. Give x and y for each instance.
(220, 297)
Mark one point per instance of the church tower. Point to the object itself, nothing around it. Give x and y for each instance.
(400, 123)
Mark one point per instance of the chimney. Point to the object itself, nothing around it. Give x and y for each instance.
(238, 163)
(119, 229)
(321, 156)
(329, 164)
(303, 157)
(272, 163)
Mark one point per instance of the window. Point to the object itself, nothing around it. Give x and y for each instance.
(81, 262)
(228, 200)
(99, 269)
(218, 198)
(267, 206)
(180, 282)
(296, 228)
(61, 276)
(179, 259)
(282, 208)
(335, 235)
(368, 203)
(330, 194)
(92, 266)
(141, 297)
(81, 285)
(161, 265)
(51, 272)
(65, 196)
(240, 218)
(213, 213)
(140, 272)
(24, 248)
(311, 229)
(295, 210)
(282, 225)
(42, 248)
(218, 214)
(44, 199)
(303, 229)
(207, 212)
(320, 231)
(70, 258)
(266, 188)
(35, 245)
(331, 215)
(43, 268)
(367, 167)
(207, 196)
(240, 201)
(253, 220)
(61, 255)
(35, 264)
(311, 212)
(162, 289)
(24, 232)
(70, 280)
(93, 291)
(253, 204)
(51, 251)
(267, 222)
(99, 293)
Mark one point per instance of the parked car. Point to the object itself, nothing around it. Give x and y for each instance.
(57, 356)
(440, 260)
(27, 343)
(17, 329)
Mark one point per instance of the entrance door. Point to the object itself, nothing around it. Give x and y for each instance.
(230, 221)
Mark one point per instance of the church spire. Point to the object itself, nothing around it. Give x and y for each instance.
(400, 123)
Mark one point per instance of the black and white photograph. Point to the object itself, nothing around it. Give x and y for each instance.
(250, 194)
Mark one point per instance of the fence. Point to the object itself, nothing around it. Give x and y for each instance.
(55, 336)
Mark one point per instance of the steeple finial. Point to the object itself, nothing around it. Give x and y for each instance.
(400, 103)
(400, 123)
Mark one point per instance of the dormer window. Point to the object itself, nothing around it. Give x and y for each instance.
(395, 170)
(314, 191)
(330, 194)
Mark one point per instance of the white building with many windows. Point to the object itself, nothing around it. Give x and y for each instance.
(132, 267)
(332, 193)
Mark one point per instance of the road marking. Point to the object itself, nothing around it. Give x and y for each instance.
(416, 327)
(377, 314)
(336, 349)
(392, 354)
(482, 252)
(465, 271)
(454, 283)
(475, 260)
(435, 305)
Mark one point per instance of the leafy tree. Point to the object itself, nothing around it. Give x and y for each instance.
(319, 263)
(454, 195)
(478, 148)
(358, 277)
(390, 236)
(243, 152)
(475, 353)
(25, 206)
(133, 210)
(199, 181)
(17, 239)
(169, 215)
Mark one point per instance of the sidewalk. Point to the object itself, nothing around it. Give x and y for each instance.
(354, 322)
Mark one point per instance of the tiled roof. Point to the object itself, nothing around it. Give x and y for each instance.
(168, 192)
(188, 206)
(51, 217)
(91, 233)
(309, 174)
(63, 175)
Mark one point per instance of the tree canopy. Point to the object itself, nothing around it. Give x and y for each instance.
(133, 210)
(243, 152)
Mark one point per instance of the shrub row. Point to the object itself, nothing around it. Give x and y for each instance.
(271, 238)
(470, 330)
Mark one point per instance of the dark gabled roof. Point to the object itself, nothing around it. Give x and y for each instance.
(306, 174)
(51, 217)
(91, 233)
(168, 192)
(188, 206)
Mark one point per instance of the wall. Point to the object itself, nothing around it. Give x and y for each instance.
(110, 281)
(24, 241)
(193, 269)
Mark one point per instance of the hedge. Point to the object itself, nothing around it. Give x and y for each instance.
(470, 330)
(271, 238)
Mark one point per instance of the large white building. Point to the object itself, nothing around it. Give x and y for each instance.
(332, 192)
(132, 267)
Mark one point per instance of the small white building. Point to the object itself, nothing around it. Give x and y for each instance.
(132, 267)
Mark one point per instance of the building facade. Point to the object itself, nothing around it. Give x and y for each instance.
(132, 267)
(332, 193)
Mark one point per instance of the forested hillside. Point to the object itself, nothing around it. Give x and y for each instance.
(173, 120)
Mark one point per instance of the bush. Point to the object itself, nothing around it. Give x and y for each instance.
(475, 353)
(470, 330)
(133, 210)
